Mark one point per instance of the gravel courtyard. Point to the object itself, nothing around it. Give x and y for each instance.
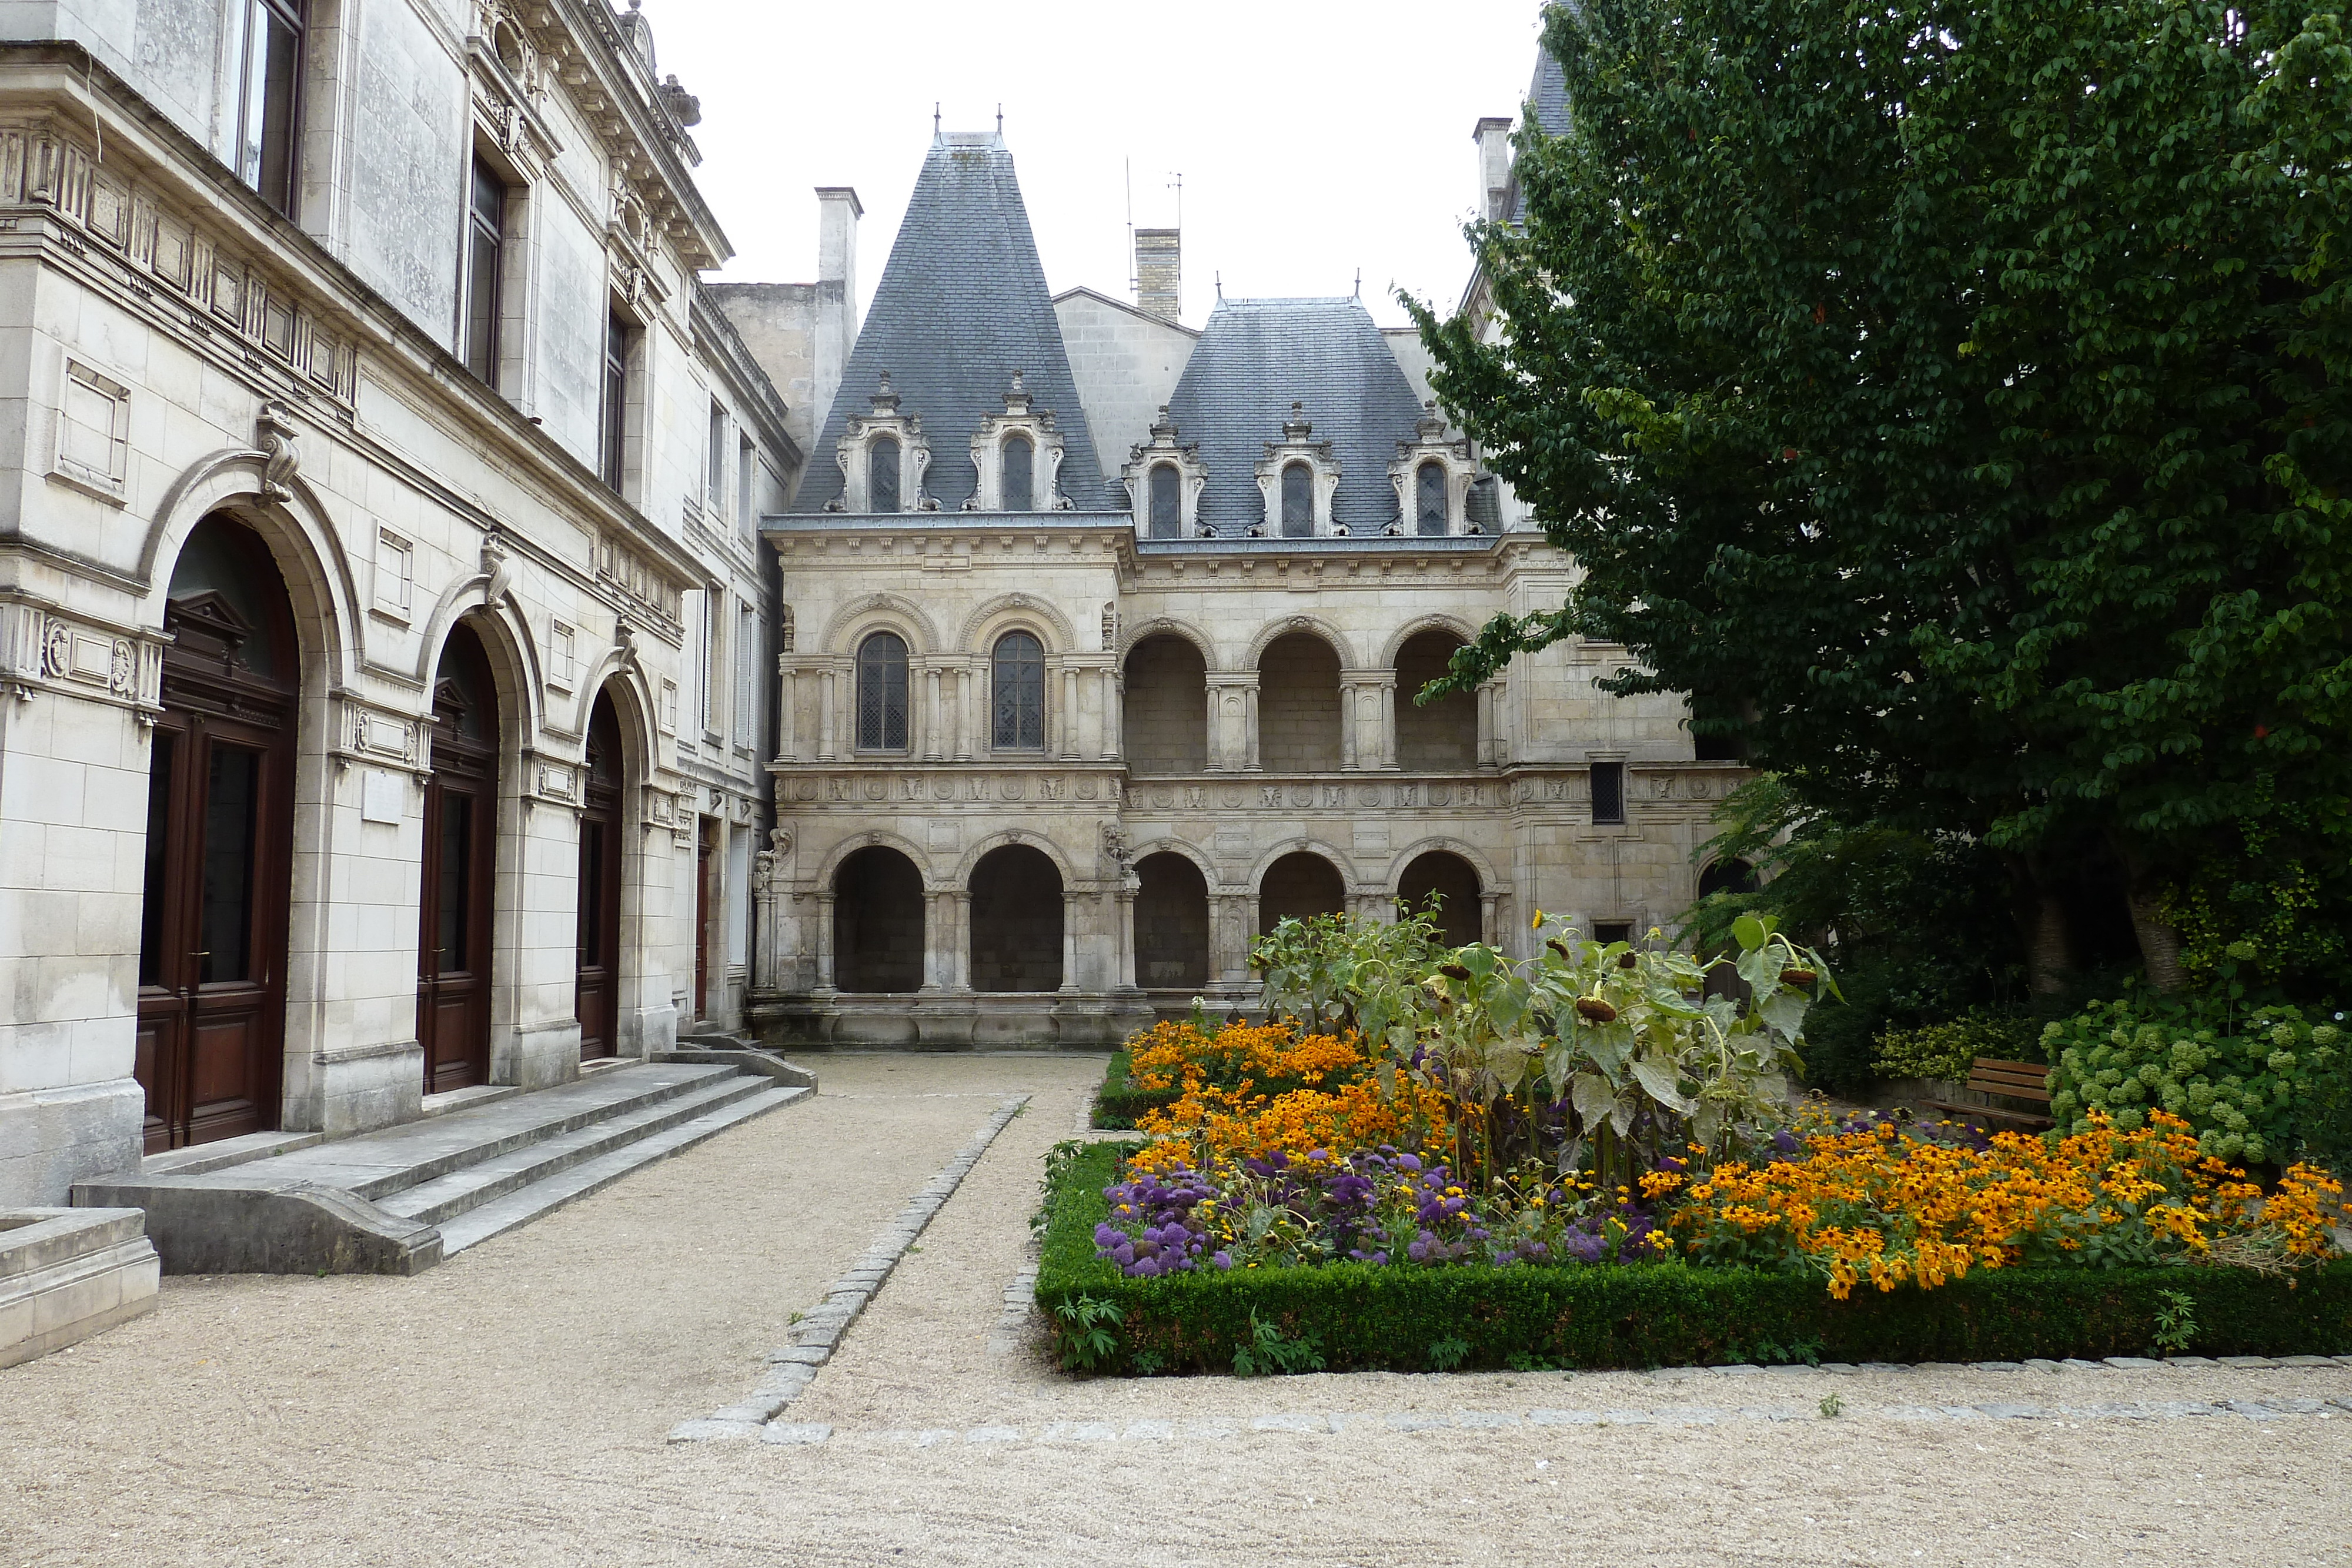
(512, 1408)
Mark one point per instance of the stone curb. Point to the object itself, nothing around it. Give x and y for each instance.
(816, 1331)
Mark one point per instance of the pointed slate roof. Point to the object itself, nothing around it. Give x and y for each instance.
(1258, 355)
(1548, 99)
(961, 305)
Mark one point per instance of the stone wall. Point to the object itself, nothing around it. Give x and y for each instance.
(1125, 364)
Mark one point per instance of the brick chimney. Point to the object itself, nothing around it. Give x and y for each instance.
(1158, 273)
(838, 210)
(1494, 138)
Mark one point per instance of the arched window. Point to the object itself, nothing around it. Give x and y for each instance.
(1019, 491)
(1165, 509)
(1430, 482)
(1019, 690)
(1297, 501)
(882, 692)
(882, 474)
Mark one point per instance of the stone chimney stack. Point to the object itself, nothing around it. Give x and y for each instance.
(1494, 138)
(838, 210)
(1160, 272)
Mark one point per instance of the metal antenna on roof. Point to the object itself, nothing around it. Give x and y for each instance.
(1177, 185)
(1360, 283)
(1134, 268)
(999, 120)
(935, 117)
(1221, 286)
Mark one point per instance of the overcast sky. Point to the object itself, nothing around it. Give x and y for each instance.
(1314, 138)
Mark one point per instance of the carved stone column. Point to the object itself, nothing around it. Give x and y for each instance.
(1386, 697)
(1125, 933)
(1214, 736)
(964, 714)
(1069, 727)
(1249, 694)
(932, 731)
(824, 940)
(827, 738)
(1486, 750)
(938, 920)
(1070, 942)
(1349, 691)
(788, 687)
(1114, 715)
(1488, 933)
(960, 940)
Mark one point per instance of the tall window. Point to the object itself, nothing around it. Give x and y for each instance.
(615, 423)
(1019, 692)
(882, 692)
(1429, 483)
(1297, 501)
(1020, 466)
(882, 474)
(707, 678)
(747, 675)
(1608, 791)
(714, 479)
(1165, 509)
(269, 116)
(746, 499)
(486, 232)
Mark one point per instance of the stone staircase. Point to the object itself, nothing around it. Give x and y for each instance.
(400, 1200)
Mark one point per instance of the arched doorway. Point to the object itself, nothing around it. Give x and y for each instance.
(1017, 921)
(596, 994)
(1166, 724)
(877, 922)
(1440, 737)
(1454, 881)
(220, 845)
(1171, 923)
(1726, 876)
(1298, 706)
(1299, 886)
(460, 859)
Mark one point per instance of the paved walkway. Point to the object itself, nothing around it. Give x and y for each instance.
(513, 1406)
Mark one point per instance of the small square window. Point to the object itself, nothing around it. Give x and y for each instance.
(396, 572)
(94, 432)
(1607, 930)
(561, 670)
(670, 707)
(1609, 792)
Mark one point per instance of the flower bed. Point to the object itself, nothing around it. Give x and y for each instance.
(1119, 1102)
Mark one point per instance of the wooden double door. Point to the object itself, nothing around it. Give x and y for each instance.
(219, 851)
(456, 906)
(596, 996)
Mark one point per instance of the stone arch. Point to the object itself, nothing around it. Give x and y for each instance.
(1027, 836)
(1415, 627)
(1306, 878)
(881, 934)
(1175, 920)
(1024, 611)
(302, 539)
(633, 705)
(1172, 845)
(506, 644)
(1301, 705)
(1018, 914)
(852, 621)
(514, 653)
(1726, 875)
(1457, 885)
(1489, 879)
(1286, 626)
(1440, 737)
(1164, 718)
(1169, 626)
(1308, 844)
(878, 838)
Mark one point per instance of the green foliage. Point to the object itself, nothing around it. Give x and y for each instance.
(2247, 1080)
(2176, 1323)
(1365, 1317)
(1271, 1352)
(1832, 1406)
(1947, 1050)
(1446, 1354)
(1961, 397)
(1118, 1103)
(1771, 1352)
(1083, 1332)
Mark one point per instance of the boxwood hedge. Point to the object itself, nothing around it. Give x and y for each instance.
(1365, 1317)
(1118, 1103)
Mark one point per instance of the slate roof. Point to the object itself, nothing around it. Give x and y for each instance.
(1258, 355)
(961, 305)
(1548, 98)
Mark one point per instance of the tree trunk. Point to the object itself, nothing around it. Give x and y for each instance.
(2040, 917)
(2159, 944)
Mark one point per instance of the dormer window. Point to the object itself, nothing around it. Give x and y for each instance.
(1297, 501)
(1019, 459)
(882, 462)
(1430, 486)
(1164, 480)
(1016, 458)
(882, 456)
(1432, 477)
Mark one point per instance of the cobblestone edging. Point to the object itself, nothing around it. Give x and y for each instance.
(816, 1331)
(1779, 1379)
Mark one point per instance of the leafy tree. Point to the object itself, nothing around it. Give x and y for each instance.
(1958, 393)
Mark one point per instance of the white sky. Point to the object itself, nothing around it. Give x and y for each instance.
(1314, 138)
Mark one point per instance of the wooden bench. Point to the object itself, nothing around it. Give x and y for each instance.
(2008, 1081)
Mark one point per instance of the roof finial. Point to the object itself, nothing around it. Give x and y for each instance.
(935, 120)
(999, 120)
(1360, 283)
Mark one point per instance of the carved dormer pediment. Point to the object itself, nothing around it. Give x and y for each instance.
(1017, 445)
(1164, 477)
(884, 456)
(205, 626)
(1432, 476)
(1297, 480)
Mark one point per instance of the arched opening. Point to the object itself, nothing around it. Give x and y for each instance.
(1726, 876)
(882, 474)
(882, 704)
(1171, 923)
(1454, 882)
(877, 922)
(596, 985)
(1429, 499)
(1297, 501)
(1440, 737)
(1019, 475)
(220, 846)
(1298, 885)
(1017, 692)
(1298, 706)
(1167, 509)
(460, 869)
(1017, 921)
(1166, 725)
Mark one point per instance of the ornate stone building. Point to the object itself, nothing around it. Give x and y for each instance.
(381, 610)
(1076, 699)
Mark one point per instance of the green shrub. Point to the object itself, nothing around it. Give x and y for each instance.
(2253, 1084)
(1360, 1317)
(1118, 1104)
(1949, 1050)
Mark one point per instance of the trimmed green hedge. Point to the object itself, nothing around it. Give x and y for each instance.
(1366, 1316)
(1117, 1105)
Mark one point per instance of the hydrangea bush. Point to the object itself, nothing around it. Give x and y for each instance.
(2242, 1091)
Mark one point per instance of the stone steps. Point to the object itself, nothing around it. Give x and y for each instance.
(400, 1199)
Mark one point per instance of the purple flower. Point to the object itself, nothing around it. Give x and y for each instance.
(1224, 1259)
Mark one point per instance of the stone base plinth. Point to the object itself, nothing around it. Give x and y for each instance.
(950, 1021)
(69, 1273)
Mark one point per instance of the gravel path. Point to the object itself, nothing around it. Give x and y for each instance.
(512, 1408)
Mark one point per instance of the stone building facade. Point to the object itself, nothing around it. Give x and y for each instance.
(382, 608)
(1076, 699)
